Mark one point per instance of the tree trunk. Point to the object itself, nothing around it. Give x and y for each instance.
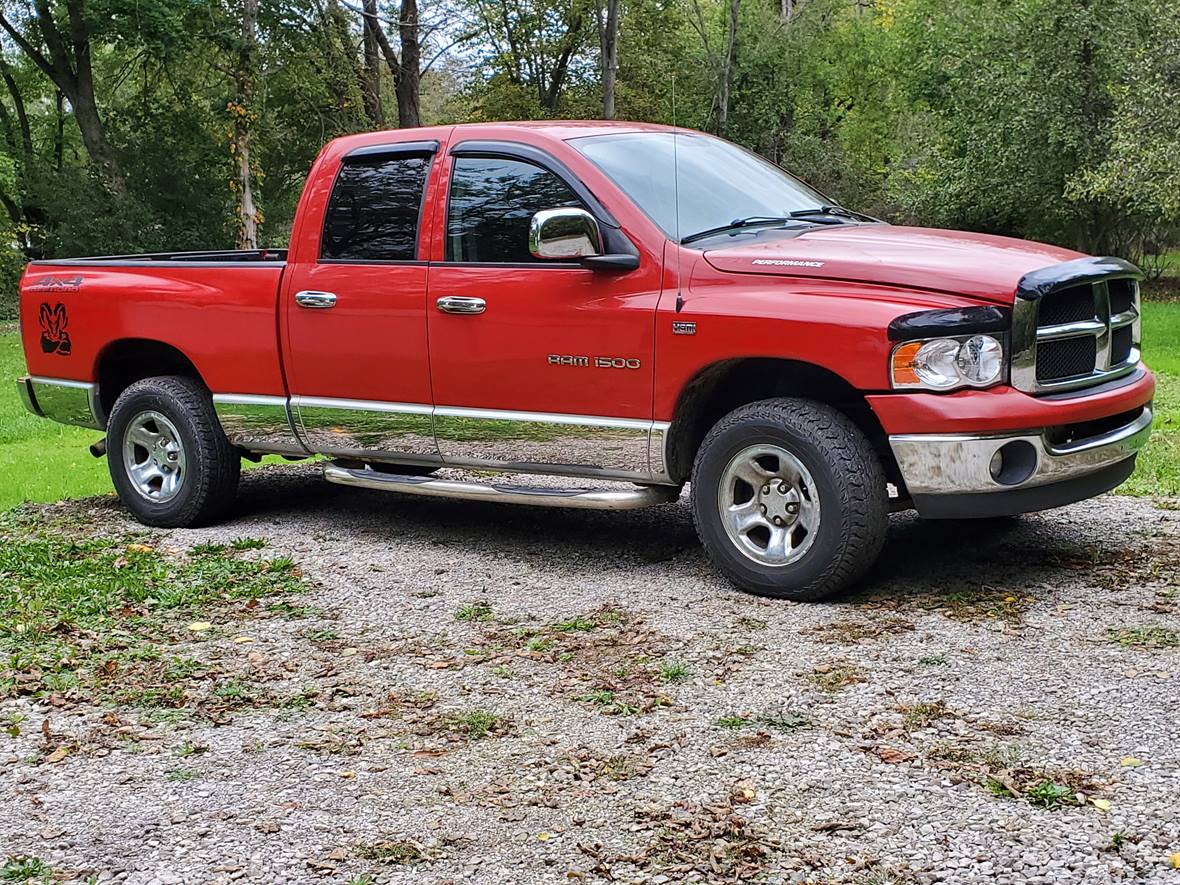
(241, 108)
(608, 41)
(410, 70)
(727, 69)
(18, 105)
(372, 82)
(551, 90)
(94, 139)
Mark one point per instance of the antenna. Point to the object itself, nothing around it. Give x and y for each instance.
(676, 198)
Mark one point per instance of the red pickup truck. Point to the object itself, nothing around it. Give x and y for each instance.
(605, 301)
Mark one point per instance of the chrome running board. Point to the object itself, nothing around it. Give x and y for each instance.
(538, 496)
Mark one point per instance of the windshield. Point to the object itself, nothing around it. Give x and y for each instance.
(719, 181)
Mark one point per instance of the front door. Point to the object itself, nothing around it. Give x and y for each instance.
(536, 365)
(357, 368)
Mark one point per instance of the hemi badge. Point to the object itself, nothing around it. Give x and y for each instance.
(684, 328)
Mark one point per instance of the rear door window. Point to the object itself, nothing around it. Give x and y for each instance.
(374, 211)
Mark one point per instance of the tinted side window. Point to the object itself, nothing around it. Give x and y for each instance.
(373, 212)
(491, 204)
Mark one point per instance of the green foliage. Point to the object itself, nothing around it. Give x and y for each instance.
(1030, 118)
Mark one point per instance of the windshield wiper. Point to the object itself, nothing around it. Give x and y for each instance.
(736, 224)
(832, 211)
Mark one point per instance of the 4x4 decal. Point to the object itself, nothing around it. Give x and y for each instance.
(54, 337)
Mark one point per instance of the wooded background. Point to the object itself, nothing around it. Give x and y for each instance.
(145, 125)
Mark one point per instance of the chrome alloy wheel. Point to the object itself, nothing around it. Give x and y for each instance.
(154, 456)
(769, 505)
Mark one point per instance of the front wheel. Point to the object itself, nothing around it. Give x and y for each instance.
(169, 458)
(789, 499)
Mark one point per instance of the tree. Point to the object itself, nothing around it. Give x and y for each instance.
(530, 48)
(608, 41)
(721, 62)
(372, 52)
(241, 109)
(66, 60)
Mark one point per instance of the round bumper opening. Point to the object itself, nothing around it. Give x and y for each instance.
(1013, 462)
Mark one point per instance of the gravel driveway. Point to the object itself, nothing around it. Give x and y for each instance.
(509, 695)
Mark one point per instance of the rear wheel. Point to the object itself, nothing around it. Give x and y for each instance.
(789, 499)
(168, 456)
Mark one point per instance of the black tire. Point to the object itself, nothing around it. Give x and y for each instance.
(209, 481)
(845, 472)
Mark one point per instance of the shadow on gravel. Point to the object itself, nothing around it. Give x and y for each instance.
(921, 561)
(652, 535)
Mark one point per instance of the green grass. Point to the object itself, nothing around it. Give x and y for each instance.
(44, 461)
(40, 460)
(88, 616)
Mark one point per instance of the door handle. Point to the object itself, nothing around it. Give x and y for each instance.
(461, 304)
(319, 300)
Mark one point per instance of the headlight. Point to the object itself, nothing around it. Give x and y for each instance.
(947, 363)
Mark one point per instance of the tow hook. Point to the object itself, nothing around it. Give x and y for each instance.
(99, 448)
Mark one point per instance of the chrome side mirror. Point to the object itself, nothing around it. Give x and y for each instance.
(564, 234)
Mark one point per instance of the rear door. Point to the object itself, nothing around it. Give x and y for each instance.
(357, 360)
(551, 369)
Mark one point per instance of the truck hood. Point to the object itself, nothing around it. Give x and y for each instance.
(977, 266)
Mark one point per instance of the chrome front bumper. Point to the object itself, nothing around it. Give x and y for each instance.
(959, 464)
(62, 400)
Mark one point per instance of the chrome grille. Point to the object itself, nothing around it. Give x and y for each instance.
(1075, 336)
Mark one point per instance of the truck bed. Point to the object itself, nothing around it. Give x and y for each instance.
(217, 309)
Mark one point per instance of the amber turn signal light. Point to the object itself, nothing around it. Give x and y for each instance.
(903, 363)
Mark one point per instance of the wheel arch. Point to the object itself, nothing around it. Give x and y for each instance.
(719, 388)
(126, 360)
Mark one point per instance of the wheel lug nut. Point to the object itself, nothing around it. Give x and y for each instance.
(782, 487)
(766, 490)
(778, 520)
(792, 508)
(762, 507)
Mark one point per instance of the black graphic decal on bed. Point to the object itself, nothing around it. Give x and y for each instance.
(54, 337)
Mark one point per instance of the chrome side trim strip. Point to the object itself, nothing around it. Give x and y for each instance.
(934, 464)
(65, 401)
(415, 433)
(365, 428)
(657, 451)
(584, 499)
(587, 445)
(258, 423)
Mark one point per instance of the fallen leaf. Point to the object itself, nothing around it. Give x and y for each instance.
(139, 548)
(894, 756)
(348, 652)
(348, 774)
(743, 791)
(1175, 860)
(543, 837)
(242, 640)
(200, 626)
(57, 755)
(1101, 804)
(1131, 762)
(338, 854)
